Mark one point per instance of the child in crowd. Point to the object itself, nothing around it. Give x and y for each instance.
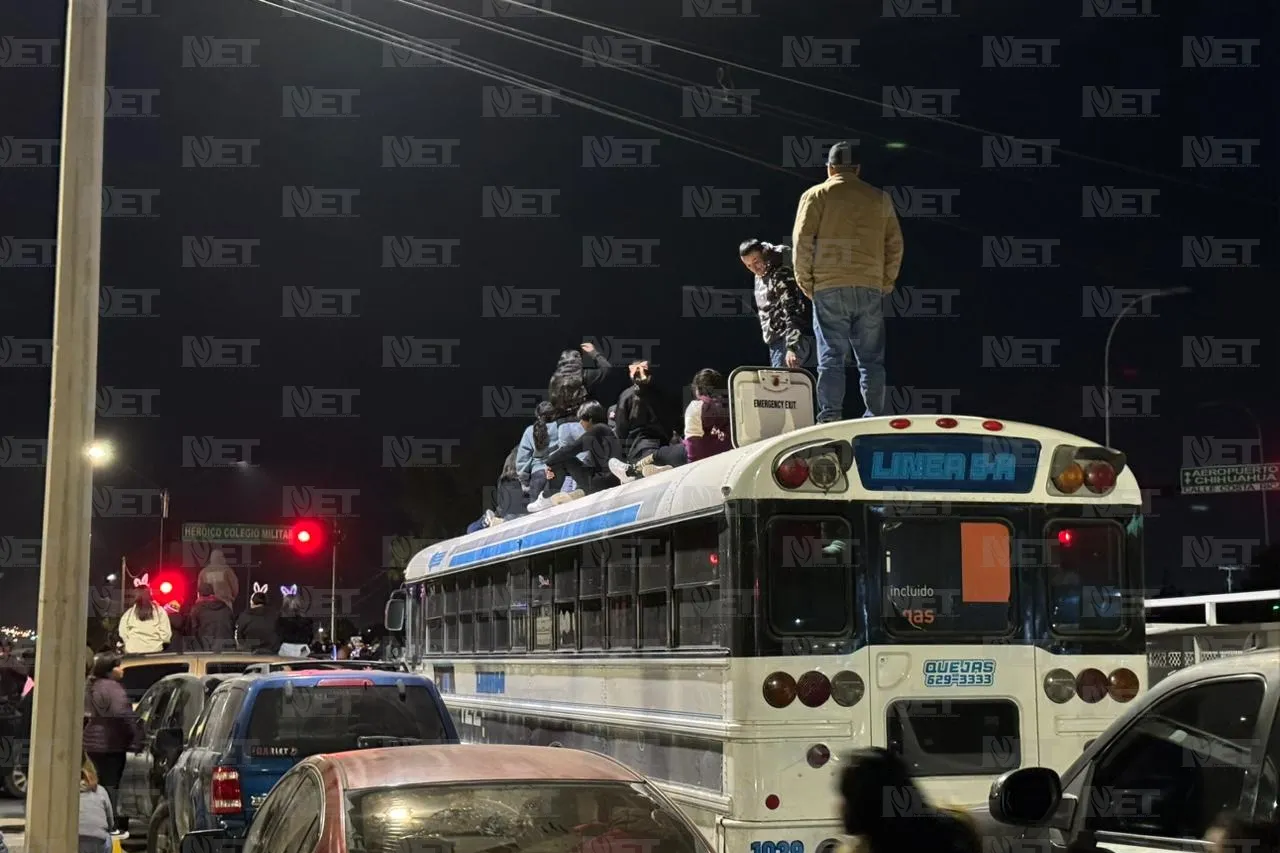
(97, 819)
(508, 498)
(535, 444)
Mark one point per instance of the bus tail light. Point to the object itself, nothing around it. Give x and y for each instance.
(779, 689)
(1091, 686)
(1123, 685)
(825, 471)
(771, 802)
(900, 423)
(224, 793)
(992, 426)
(1059, 686)
(946, 423)
(814, 689)
(818, 755)
(847, 688)
(1100, 478)
(1093, 468)
(792, 473)
(1069, 479)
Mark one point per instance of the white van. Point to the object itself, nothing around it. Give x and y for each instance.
(1203, 742)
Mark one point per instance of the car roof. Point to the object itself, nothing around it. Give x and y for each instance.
(470, 763)
(309, 677)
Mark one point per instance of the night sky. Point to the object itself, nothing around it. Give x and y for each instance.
(263, 241)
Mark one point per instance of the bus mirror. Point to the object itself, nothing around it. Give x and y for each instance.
(393, 615)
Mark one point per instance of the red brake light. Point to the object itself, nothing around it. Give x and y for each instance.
(1091, 685)
(344, 682)
(900, 423)
(946, 423)
(992, 426)
(814, 689)
(1100, 477)
(224, 794)
(779, 689)
(792, 473)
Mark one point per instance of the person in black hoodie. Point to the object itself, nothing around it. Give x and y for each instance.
(643, 422)
(256, 627)
(577, 373)
(598, 442)
(211, 623)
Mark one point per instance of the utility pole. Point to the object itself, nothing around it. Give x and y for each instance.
(53, 799)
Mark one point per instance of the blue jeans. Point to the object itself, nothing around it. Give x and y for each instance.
(778, 353)
(849, 320)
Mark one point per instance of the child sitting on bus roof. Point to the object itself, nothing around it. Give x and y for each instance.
(507, 500)
(706, 431)
(598, 443)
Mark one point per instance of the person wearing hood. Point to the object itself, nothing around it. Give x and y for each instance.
(256, 627)
(144, 627)
(292, 626)
(644, 420)
(221, 577)
(211, 623)
(111, 728)
(783, 309)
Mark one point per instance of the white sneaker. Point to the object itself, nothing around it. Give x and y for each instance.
(648, 469)
(619, 469)
(542, 502)
(565, 497)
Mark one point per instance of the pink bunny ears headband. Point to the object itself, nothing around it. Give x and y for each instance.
(289, 590)
(142, 581)
(260, 588)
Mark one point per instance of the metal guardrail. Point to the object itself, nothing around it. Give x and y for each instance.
(1173, 650)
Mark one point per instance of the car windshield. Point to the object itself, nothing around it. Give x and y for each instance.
(341, 714)
(528, 817)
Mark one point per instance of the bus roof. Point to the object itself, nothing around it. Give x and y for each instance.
(703, 487)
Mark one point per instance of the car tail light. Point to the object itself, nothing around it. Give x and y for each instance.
(344, 682)
(792, 473)
(1059, 686)
(992, 426)
(779, 690)
(1123, 685)
(1100, 477)
(814, 689)
(1091, 686)
(224, 794)
(1070, 479)
(946, 423)
(818, 755)
(900, 423)
(847, 688)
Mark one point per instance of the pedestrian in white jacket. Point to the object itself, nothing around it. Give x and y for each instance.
(144, 627)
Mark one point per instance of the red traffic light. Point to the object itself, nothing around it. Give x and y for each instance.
(165, 587)
(169, 587)
(306, 537)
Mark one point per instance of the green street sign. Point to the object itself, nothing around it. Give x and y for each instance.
(237, 534)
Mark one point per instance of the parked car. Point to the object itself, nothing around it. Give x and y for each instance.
(256, 727)
(142, 671)
(480, 797)
(1201, 743)
(167, 712)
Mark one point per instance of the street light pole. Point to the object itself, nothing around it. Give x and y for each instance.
(333, 589)
(1106, 353)
(53, 800)
(1262, 458)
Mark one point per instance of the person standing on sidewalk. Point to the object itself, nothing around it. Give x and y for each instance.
(847, 252)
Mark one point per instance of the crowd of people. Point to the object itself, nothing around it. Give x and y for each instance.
(576, 447)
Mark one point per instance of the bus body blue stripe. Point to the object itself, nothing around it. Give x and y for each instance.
(572, 530)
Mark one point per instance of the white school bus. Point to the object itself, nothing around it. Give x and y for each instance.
(963, 591)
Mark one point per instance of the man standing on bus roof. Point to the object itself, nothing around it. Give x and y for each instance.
(847, 251)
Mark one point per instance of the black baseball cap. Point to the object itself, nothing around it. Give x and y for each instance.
(843, 154)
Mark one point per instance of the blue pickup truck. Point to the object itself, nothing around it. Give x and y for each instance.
(256, 727)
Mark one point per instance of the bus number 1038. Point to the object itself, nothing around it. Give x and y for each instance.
(777, 847)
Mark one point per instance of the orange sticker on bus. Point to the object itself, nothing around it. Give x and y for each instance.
(984, 563)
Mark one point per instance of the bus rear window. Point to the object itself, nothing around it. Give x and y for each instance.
(810, 580)
(1084, 577)
(958, 737)
(946, 576)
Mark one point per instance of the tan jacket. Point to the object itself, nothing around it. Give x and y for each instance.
(846, 234)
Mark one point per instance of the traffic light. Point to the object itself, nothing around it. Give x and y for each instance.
(169, 587)
(307, 537)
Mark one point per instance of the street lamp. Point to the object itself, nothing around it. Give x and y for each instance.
(100, 453)
(1106, 352)
(1262, 456)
